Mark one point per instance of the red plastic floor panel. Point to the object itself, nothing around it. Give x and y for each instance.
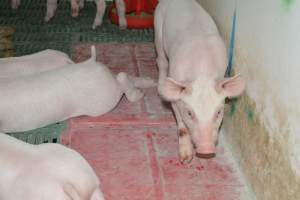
(133, 149)
(142, 163)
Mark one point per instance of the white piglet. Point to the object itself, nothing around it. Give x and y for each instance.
(192, 63)
(76, 5)
(44, 172)
(87, 88)
(45, 60)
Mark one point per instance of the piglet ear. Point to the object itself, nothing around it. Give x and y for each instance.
(172, 90)
(231, 87)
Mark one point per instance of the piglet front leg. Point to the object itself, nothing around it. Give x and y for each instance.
(184, 138)
(81, 4)
(74, 8)
(51, 8)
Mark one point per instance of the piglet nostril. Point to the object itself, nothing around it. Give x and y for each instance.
(205, 155)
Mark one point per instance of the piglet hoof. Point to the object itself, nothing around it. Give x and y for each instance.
(96, 24)
(123, 24)
(15, 4)
(75, 13)
(47, 19)
(185, 157)
(123, 27)
(134, 95)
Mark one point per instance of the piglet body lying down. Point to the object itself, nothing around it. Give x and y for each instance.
(88, 88)
(48, 59)
(44, 172)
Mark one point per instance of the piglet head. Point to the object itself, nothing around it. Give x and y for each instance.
(201, 106)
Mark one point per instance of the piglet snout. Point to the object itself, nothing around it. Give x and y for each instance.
(206, 155)
(207, 151)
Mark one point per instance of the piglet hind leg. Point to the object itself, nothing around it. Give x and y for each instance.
(15, 4)
(100, 4)
(184, 138)
(121, 12)
(81, 4)
(161, 60)
(51, 8)
(74, 8)
(131, 85)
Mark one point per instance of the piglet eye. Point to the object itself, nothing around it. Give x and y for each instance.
(190, 114)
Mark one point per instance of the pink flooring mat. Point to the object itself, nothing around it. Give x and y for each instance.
(133, 149)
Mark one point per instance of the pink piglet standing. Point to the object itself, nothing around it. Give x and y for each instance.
(192, 60)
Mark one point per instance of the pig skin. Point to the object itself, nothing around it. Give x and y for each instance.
(44, 172)
(87, 88)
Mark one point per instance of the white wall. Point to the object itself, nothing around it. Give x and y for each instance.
(272, 35)
(267, 53)
(268, 39)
